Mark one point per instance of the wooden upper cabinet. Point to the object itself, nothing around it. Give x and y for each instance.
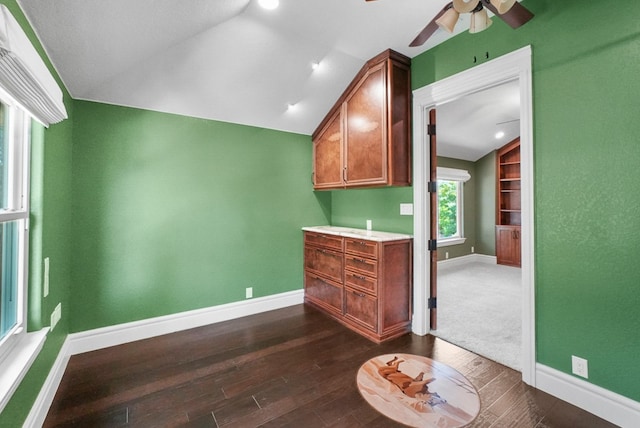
(365, 136)
(365, 140)
(327, 155)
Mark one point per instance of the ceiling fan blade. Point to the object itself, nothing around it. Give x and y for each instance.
(430, 28)
(515, 17)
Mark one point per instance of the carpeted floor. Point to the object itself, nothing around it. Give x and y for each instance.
(480, 309)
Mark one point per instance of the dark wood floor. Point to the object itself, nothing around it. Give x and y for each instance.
(292, 367)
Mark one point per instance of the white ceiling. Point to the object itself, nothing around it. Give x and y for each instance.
(227, 60)
(467, 127)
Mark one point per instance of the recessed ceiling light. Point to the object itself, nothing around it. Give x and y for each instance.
(291, 107)
(269, 4)
(499, 135)
(315, 65)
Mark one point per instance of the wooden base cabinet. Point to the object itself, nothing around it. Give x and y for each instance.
(508, 245)
(372, 292)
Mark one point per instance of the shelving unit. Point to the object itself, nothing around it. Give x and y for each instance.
(508, 213)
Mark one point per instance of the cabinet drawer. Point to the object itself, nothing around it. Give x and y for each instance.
(322, 240)
(323, 292)
(360, 264)
(361, 282)
(361, 247)
(361, 308)
(324, 262)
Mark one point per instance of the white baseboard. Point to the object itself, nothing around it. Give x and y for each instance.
(469, 258)
(40, 408)
(92, 340)
(608, 405)
(123, 333)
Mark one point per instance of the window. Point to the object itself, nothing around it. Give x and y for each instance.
(14, 214)
(450, 205)
(27, 86)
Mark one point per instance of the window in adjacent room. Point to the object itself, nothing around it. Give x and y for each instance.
(450, 205)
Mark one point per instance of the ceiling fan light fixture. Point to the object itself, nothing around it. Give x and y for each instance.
(448, 20)
(465, 6)
(480, 21)
(503, 6)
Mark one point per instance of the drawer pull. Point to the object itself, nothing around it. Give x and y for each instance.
(328, 253)
(360, 260)
(358, 276)
(358, 294)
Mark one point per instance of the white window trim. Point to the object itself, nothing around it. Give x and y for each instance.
(446, 242)
(453, 174)
(17, 363)
(20, 348)
(461, 176)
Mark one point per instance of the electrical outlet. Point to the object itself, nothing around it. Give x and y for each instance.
(473, 250)
(45, 285)
(369, 225)
(56, 315)
(446, 255)
(249, 292)
(579, 366)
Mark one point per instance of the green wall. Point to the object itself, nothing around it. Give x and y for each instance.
(587, 193)
(353, 207)
(176, 213)
(486, 204)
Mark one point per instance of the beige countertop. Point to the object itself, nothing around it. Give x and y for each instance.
(372, 235)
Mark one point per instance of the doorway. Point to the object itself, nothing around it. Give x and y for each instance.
(478, 296)
(515, 66)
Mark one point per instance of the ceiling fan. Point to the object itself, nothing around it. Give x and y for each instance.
(510, 11)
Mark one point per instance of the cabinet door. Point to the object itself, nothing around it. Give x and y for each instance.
(365, 133)
(324, 262)
(508, 245)
(327, 156)
(323, 292)
(361, 308)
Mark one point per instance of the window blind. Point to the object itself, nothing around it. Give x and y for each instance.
(25, 76)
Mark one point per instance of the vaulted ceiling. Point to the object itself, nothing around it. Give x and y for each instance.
(227, 60)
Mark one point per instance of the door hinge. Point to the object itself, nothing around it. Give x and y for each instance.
(431, 129)
(432, 244)
(432, 187)
(432, 303)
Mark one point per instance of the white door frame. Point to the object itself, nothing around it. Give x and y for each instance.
(510, 67)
